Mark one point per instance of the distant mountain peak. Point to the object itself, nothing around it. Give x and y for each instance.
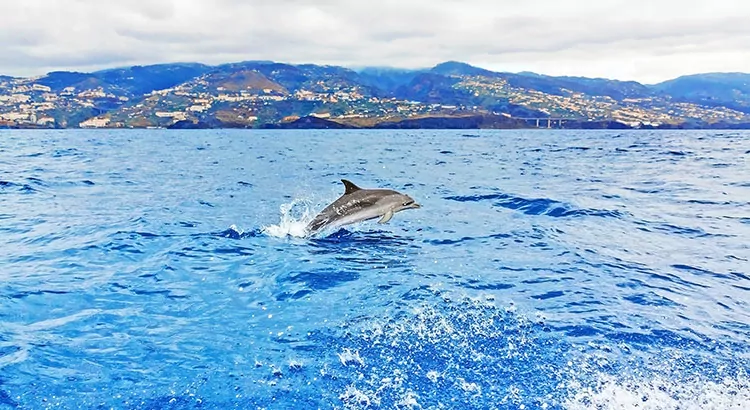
(459, 68)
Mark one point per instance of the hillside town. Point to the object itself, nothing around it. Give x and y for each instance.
(248, 97)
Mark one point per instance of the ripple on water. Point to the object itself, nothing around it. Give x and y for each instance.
(171, 270)
(8, 186)
(538, 206)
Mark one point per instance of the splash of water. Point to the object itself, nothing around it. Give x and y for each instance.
(295, 216)
(662, 394)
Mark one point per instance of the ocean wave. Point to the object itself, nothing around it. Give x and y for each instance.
(624, 283)
(8, 186)
(538, 206)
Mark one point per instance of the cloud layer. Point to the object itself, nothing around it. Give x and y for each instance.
(640, 40)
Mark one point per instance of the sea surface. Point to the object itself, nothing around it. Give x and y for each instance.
(160, 269)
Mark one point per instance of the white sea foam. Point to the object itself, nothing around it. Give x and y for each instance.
(348, 357)
(386, 363)
(295, 216)
(409, 400)
(354, 398)
(611, 393)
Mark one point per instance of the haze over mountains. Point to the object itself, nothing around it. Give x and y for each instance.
(267, 94)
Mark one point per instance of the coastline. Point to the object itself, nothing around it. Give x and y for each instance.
(465, 122)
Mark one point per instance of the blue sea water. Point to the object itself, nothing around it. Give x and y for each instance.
(545, 270)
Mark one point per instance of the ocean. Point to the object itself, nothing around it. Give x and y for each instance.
(546, 269)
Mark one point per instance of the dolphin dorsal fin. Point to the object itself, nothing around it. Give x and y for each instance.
(349, 187)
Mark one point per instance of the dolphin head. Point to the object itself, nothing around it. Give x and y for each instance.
(401, 202)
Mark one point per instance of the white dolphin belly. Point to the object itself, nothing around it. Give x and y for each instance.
(359, 216)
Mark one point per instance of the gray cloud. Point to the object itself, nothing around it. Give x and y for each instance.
(638, 39)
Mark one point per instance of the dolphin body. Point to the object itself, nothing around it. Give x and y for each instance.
(357, 205)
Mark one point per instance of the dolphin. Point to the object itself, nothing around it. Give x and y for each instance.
(357, 205)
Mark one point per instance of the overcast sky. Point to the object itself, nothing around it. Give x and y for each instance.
(643, 40)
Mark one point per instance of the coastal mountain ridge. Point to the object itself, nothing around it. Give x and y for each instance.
(452, 94)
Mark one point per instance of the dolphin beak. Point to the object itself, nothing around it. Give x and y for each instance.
(416, 205)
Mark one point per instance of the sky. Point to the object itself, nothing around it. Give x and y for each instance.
(642, 40)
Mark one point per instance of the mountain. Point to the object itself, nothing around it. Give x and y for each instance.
(731, 90)
(455, 68)
(385, 79)
(140, 80)
(299, 77)
(591, 86)
(548, 84)
(433, 89)
(130, 81)
(59, 80)
(269, 94)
